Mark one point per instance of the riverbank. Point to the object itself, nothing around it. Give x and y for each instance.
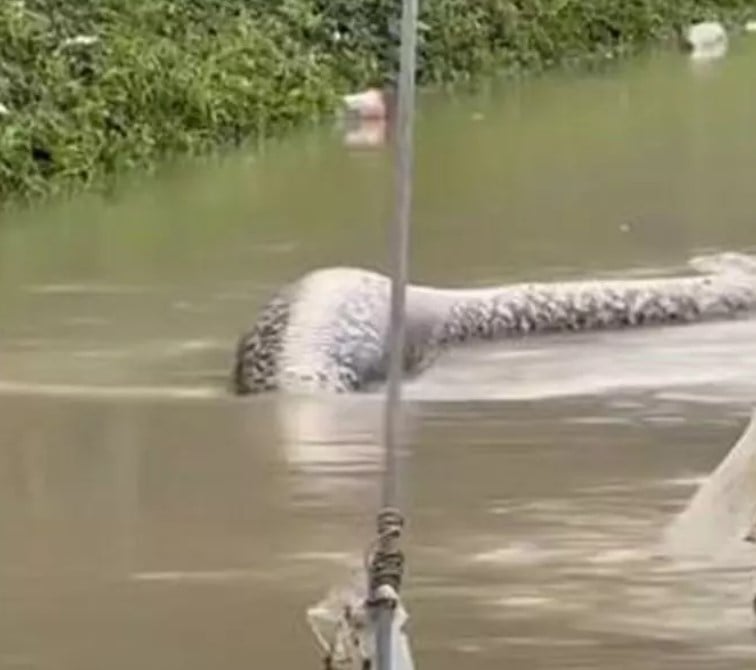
(95, 89)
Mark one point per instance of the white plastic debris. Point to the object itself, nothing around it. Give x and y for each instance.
(721, 515)
(705, 34)
(706, 40)
(750, 26)
(345, 628)
(4, 111)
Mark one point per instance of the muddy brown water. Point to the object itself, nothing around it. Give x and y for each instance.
(149, 520)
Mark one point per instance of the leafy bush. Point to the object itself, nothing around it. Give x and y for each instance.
(94, 88)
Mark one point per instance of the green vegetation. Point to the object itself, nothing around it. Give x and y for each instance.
(90, 89)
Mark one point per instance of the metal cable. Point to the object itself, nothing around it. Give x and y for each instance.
(399, 249)
(387, 565)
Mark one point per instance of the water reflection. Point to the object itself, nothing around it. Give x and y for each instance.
(366, 133)
(540, 521)
(325, 433)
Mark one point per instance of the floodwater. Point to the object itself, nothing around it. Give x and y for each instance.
(149, 520)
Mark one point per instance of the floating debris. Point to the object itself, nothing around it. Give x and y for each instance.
(706, 40)
(705, 34)
(372, 103)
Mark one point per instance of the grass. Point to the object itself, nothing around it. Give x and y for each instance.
(93, 89)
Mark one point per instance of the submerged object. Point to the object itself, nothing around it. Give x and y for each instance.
(721, 515)
(328, 330)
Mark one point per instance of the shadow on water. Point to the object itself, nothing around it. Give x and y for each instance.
(146, 518)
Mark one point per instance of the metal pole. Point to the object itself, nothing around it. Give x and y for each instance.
(399, 246)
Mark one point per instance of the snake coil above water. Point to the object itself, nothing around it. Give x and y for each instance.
(328, 330)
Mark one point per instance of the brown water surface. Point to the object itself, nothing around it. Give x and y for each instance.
(147, 520)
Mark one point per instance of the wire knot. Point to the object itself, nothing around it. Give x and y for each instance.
(387, 564)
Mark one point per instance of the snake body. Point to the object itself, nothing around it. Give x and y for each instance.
(328, 330)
